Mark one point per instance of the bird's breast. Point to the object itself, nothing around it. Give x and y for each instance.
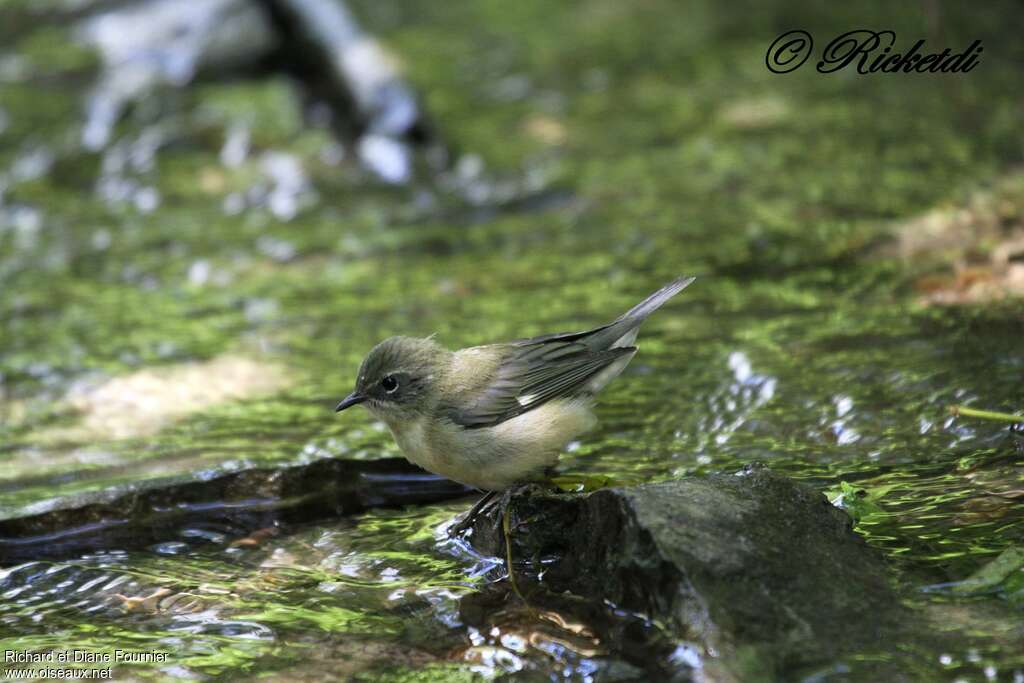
(412, 438)
(493, 458)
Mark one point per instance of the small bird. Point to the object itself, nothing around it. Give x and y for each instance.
(497, 415)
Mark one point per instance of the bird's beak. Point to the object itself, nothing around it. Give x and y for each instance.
(349, 401)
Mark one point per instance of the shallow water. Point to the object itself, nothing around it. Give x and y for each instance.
(601, 152)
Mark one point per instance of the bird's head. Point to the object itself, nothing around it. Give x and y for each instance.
(398, 379)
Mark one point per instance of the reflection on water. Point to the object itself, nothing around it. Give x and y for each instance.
(381, 585)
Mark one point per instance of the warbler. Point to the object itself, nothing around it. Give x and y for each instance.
(497, 415)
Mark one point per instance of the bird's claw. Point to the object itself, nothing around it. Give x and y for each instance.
(467, 520)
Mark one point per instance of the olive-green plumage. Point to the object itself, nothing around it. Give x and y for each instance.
(496, 415)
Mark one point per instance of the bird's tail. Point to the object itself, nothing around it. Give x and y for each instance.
(655, 301)
(622, 331)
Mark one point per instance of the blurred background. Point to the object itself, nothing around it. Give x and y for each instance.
(210, 211)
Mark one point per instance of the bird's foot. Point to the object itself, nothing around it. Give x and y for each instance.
(467, 520)
(483, 506)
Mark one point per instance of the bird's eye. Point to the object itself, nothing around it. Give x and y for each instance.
(389, 383)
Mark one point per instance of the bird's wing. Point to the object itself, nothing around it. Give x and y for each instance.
(529, 376)
(534, 371)
(614, 333)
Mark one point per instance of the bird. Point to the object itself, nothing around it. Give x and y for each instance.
(496, 416)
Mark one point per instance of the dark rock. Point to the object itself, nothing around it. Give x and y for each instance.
(761, 572)
(347, 68)
(150, 511)
(165, 43)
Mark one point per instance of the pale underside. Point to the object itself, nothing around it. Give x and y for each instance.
(494, 458)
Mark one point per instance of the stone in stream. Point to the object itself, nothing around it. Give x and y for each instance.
(158, 43)
(162, 42)
(350, 70)
(759, 572)
(146, 512)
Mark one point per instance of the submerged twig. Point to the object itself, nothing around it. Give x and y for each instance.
(963, 411)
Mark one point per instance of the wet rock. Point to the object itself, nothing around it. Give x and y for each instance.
(349, 69)
(762, 573)
(165, 43)
(144, 513)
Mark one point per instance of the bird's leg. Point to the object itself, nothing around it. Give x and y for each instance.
(480, 507)
(506, 529)
(467, 520)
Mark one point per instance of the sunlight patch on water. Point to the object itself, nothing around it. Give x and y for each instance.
(146, 401)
